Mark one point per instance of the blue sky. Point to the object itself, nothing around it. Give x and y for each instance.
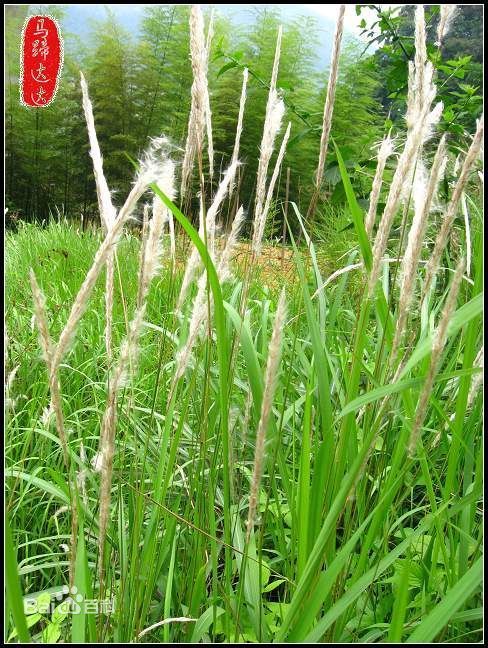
(78, 18)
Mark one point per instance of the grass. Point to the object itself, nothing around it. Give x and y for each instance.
(336, 541)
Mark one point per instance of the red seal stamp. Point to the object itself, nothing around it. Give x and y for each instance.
(41, 60)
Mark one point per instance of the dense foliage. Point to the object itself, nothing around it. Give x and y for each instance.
(244, 443)
(458, 62)
(141, 88)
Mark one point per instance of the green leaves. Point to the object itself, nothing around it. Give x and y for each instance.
(354, 540)
(228, 66)
(356, 212)
(427, 630)
(14, 594)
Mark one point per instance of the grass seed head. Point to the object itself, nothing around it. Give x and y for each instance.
(411, 257)
(438, 343)
(274, 354)
(446, 17)
(330, 97)
(450, 214)
(384, 152)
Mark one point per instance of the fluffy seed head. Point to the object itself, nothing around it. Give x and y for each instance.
(420, 52)
(403, 173)
(49, 352)
(438, 343)
(330, 97)
(274, 354)
(108, 212)
(213, 210)
(240, 118)
(443, 235)
(262, 214)
(200, 103)
(384, 152)
(272, 125)
(411, 258)
(127, 358)
(446, 17)
(478, 378)
(223, 268)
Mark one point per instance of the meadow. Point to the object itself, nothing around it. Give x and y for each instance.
(217, 438)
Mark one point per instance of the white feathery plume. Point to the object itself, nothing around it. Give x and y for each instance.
(416, 181)
(275, 109)
(276, 171)
(433, 116)
(263, 213)
(272, 125)
(420, 121)
(41, 320)
(384, 152)
(47, 415)
(194, 262)
(330, 97)
(96, 462)
(109, 303)
(201, 304)
(274, 72)
(403, 171)
(240, 118)
(274, 355)
(108, 213)
(446, 17)
(438, 343)
(152, 245)
(191, 269)
(157, 168)
(48, 351)
(199, 97)
(420, 59)
(223, 267)
(411, 258)
(128, 356)
(478, 379)
(208, 112)
(412, 97)
(146, 175)
(420, 73)
(9, 381)
(198, 316)
(165, 181)
(418, 188)
(457, 165)
(142, 251)
(443, 235)
(213, 210)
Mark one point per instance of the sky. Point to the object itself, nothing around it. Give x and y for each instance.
(130, 15)
(328, 12)
(351, 20)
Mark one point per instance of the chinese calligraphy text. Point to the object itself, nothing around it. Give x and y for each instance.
(41, 59)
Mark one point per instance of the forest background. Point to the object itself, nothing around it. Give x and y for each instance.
(140, 85)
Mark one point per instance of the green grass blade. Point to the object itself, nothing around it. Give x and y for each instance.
(442, 613)
(13, 591)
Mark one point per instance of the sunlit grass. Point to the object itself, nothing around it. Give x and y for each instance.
(342, 550)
